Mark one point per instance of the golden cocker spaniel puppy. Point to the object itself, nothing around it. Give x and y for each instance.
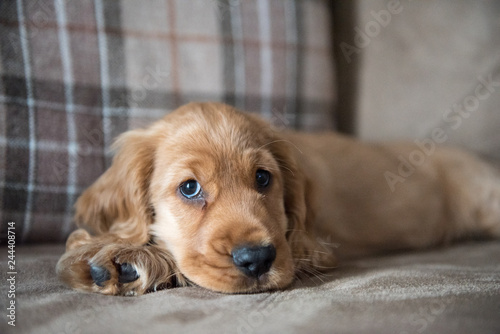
(215, 197)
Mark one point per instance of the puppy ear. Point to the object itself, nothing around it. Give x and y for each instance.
(308, 253)
(118, 202)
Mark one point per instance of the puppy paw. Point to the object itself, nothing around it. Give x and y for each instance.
(126, 274)
(116, 269)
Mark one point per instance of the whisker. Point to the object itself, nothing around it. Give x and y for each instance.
(268, 168)
(285, 167)
(281, 140)
(313, 274)
(316, 266)
(326, 267)
(298, 277)
(319, 273)
(319, 252)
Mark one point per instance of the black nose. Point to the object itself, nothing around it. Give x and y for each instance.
(254, 261)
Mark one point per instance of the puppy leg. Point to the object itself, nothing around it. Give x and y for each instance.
(474, 198)
(109, 265)
(483, 217)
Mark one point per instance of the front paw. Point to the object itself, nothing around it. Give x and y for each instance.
(126, 273)
(113, 270)
(116, 269)
(120, 279)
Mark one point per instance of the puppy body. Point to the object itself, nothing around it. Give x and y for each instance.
(448, 196)
(323, 196)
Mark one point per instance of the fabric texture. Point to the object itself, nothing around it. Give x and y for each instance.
(453, 290)
(76, 74)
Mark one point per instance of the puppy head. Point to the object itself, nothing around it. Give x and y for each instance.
(228, 199)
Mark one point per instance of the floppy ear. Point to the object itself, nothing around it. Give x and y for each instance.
(118, 202)
(307, 251)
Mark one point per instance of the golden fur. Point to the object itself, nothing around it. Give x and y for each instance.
(328, 199)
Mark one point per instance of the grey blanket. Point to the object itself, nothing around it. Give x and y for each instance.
(451, 290)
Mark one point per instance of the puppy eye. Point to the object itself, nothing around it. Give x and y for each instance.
(262, 178)
(190, 189)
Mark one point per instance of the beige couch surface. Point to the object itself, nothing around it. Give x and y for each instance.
(453, 290)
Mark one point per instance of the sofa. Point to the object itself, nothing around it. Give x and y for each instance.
(74, 75)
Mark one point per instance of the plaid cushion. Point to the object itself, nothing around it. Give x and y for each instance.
(76, 74)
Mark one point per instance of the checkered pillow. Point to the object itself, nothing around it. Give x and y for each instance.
(76, 74)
